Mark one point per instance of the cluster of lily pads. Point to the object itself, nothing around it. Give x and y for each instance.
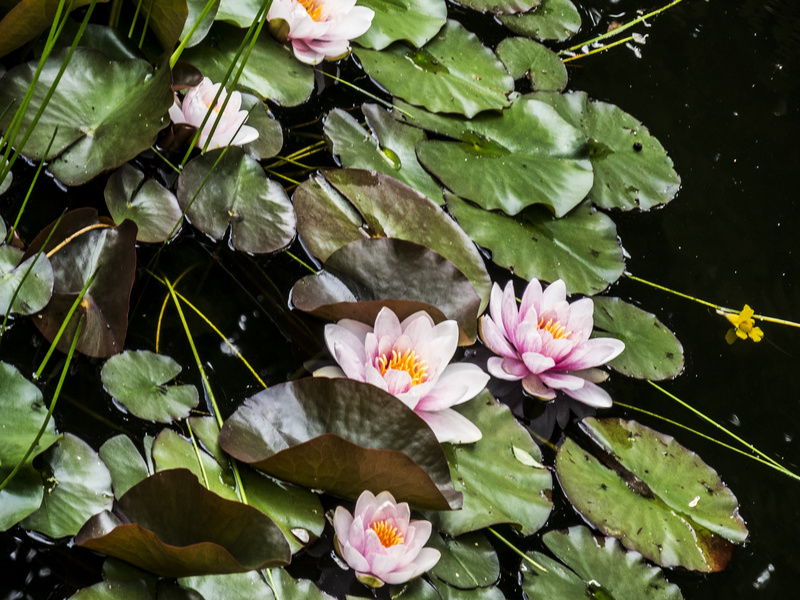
(466, 156)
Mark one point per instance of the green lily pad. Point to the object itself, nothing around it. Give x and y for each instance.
(497, 486)
(78, 486)
(545, 69)
(23, 414)
(414, 21)
(364, 276)
(32, 294)
(448, 592)
(4, 185)
(553, 20)
(416, 589)
(147, 203)
(501, 7)
(467, 562)
(534, 157)
(238, 12)
(581, 248)
(392, 153)
(631, 167)
(136, 380)
(126, 465)
(386, 208)
(270, 134)
(96, 100)
(26, 20)
(91, 248)
(656, 496)
(238, 196)
(453, 73)
(156, 532)
(233, 586)
(115, 590)
(196, 7)
(341, 436)
(651, 350)
(272, 72)
(289, 588)
(598, 567)
(167, 20)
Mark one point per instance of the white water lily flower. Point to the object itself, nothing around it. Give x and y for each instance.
(319, 29)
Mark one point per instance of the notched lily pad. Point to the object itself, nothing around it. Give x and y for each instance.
(651, 350)
(597, 567)
(415, 21)
(151, 528)
(544, 68)
(84, 246)
(554, 20)
(656, 496)
(344, 437)
(28, 283)
(236, 194)
(467, 562)
(363, 276)
(136, 380)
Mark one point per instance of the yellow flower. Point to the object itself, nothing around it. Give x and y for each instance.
(744, 326)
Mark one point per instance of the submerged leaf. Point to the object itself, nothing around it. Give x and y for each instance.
(344, 437)
(136, 380)
(453, 73)
(598, 568)
(152, 529)
(497, 487)
(651, 350)
(653, 494)
(364, 276)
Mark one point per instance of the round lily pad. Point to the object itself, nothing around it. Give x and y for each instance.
(415, 21)
(501, 7)
(545, 69)
(553, 20)
(136, 380)
(25, 286)
(467, 562)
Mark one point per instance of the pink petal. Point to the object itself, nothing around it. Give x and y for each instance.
(330, 372)
(529, 337)
(580, 319)
(531, 299)
(449, 426)
(592, 353)
(458, 383)
(534, 386)
(494, 339)
(387, 324)
(496, 308)
(342, 521)
(537, 363)
(562, 381)
(508, 369)
(510, 314)
(592, 395)
(556, 292)
(397, 382)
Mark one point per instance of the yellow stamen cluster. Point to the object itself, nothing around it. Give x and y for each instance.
(744, 326)
(313, 8)
(387, 534)
(408, 362)
(556, 329)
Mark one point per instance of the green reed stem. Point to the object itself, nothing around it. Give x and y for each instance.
(165, 159)
(758, 459)
(197, 454)
(146, 23)
(621, 28)
(63, 327)
(517, 550)
(50, 410)
(135, 17)
(597, 50)
(182, 46)
(301, 261)
(366, 93)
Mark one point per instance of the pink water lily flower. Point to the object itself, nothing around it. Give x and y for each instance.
(381, 543)
(318, 29)
(410, 360)
(230, 129)
(546, 344)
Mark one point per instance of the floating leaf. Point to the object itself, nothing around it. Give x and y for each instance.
(581, 248)
(653, 494)
(235, 193)
(393, 152)
(534, 157)
(501, 7)
(416, 589)
(136, 380)
(448, 592)
(598, 568)
(4, 185)
(238, 12)
(543, 66)
(389, 208)
(81, 247)
(364, 276)
(196, 7)
(341, 436)
(270, 134)
(155, 531)
(26, 20)
(126, 465)
(233, 586)
(651, 350)
(147, 203)
(94, 102)
(555, 20)
(467, 562)
(115, 590)
(497, 487)
(631, 167)
(23, 414)
(453, 73)
(272, 72)
(415, 21)
(78, 486)
(34, 293)
(289, 588)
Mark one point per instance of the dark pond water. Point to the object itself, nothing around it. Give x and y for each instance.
(717, 84)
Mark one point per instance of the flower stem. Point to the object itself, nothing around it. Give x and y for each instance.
(517, 550)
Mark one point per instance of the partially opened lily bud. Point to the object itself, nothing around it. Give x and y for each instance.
(381, 543)
(230, 130)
